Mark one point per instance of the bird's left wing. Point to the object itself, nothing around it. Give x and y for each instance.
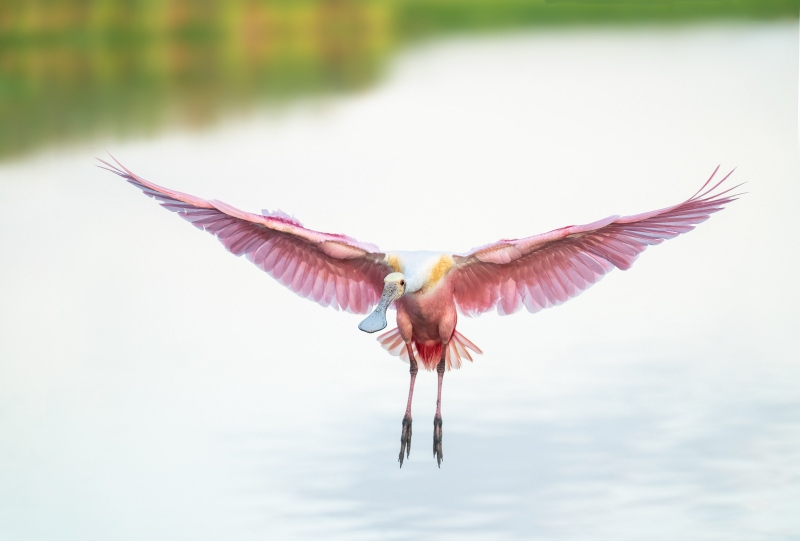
(545, 270)
(333, 270)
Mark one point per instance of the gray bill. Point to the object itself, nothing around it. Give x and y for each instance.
(376, 321)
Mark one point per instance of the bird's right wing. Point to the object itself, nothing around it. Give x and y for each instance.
(333, 270)
(545, 270)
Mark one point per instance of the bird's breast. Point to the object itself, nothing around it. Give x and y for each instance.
(431, 315)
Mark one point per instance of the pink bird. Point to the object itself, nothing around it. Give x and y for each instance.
(428, 289)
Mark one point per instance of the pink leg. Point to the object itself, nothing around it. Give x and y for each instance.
(437, 419)
(405, 435)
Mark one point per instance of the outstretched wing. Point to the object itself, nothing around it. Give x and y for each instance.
(545, 270)
(333, 270)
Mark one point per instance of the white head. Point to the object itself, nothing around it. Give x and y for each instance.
(398, 279)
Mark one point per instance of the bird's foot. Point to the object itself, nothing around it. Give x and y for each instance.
(405, 439)
(437, 440)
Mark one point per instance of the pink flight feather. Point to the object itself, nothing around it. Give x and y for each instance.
(545, 270)
(331, 269)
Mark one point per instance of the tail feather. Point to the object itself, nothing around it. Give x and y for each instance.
(457, 350)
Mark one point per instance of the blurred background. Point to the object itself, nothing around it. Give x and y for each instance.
(152, 386)
(76, 70)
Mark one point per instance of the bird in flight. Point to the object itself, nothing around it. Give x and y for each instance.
(428, 289)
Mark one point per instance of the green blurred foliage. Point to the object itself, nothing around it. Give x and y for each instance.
(71, 69)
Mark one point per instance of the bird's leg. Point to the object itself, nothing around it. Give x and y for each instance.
(405, 435)
(437, 419)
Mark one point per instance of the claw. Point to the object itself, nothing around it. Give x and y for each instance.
(405, 439)
(437, 440)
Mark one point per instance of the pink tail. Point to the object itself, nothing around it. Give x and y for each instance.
(457, 349)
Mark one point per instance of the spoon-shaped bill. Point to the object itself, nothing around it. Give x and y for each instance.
(376, 321)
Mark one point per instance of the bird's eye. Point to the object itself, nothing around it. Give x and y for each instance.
(402, 282)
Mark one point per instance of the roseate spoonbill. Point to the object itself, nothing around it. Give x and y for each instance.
(428, 288)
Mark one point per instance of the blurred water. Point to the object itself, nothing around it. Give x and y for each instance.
(155, 387)
(76, 70)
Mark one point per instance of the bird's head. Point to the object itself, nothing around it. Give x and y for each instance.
(394, 287)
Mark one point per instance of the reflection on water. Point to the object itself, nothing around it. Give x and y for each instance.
(119, 67)
(71, 70)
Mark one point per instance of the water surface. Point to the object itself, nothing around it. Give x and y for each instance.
(155, 387)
